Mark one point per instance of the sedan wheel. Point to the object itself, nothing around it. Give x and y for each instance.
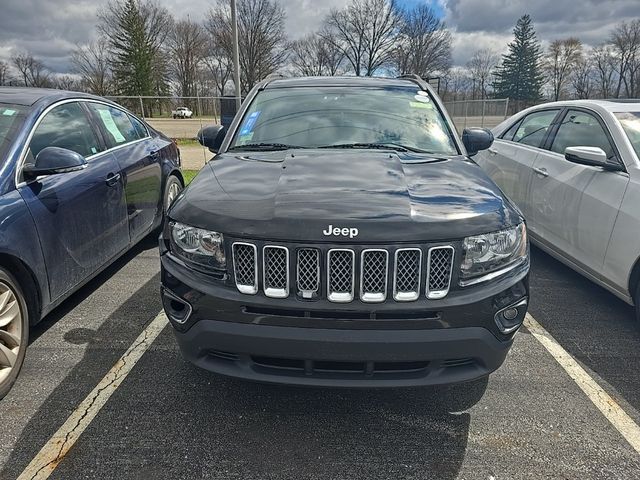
(13, 331)
(172, 190)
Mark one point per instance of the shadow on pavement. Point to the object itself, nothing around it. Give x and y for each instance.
(104, 347)
(593, 325)
(170, 420)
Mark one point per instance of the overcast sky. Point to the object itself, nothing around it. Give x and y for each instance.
(51, 28)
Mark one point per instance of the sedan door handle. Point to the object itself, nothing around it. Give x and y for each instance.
(541, 171)
(154, 154)
(492, 151)
(112, 179)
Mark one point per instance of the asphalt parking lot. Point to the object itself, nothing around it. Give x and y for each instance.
(167, 419)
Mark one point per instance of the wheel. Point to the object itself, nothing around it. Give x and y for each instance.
(636, 301)
(174, 117)
(14, 330)
(171, 190)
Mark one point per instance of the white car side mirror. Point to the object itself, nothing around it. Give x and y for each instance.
(592, 156)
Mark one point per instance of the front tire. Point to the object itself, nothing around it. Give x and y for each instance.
(14, 330)
(636, 301)
(172, 189)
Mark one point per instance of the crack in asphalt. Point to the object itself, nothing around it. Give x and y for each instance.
(122, 362)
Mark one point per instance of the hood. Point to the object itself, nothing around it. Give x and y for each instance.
(303, 194)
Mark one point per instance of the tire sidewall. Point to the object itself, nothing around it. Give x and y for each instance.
(636, 301)
(165, 200)
(7, 278)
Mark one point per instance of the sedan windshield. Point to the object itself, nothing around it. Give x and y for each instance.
(631, 124)
(11, 117)
(404, 119)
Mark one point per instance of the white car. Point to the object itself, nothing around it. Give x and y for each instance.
(573, 168)
(181, 112)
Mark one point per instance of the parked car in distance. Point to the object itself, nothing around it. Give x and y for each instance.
(341, 236)
(573, 169)
(181, 112)
(81, 181)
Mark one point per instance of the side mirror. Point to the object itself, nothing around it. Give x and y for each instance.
(476, 139)
(54, 160)
(592, 156)
(212, 137)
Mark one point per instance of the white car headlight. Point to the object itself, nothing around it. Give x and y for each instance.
(492, 252)
(201, 247)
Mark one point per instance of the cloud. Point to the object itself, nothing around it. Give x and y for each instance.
(59, 25)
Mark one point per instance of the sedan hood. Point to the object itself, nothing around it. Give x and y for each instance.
(383, 196)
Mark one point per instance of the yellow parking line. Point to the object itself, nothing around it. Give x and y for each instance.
(61, 442)
(598, 396)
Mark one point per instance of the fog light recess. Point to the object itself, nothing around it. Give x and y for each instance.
(177, 309)
(509, 319)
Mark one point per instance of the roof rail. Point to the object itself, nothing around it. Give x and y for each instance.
(411, 76)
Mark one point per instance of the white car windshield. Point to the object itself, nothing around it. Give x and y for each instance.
(631, 124)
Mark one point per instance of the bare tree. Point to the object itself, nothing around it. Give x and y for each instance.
(455, 84)
(365, 32)
(4, 72)
(480, 69)
(187, 48)
(424, 46)
(91, 62)
(625, 40)
(67, 82)
(314, 55)
(262, 40)
(560, 61)
(583, 76)
(605, 69)
(218, 66)
(33, 72)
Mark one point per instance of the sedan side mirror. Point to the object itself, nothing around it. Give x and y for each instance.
(54, 160)
(476, 139)
(592, 156)
(212, 137)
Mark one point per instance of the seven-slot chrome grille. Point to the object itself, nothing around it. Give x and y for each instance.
(340, 271)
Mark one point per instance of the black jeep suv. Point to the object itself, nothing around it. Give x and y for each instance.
(342, 236)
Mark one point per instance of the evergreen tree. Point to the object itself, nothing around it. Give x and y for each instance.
(519, 76)
(136, 30)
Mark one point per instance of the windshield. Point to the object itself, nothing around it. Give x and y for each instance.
(11, 117)
(312, 117)
(631, 124)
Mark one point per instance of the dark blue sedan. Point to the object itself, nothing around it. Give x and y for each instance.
(81, 181)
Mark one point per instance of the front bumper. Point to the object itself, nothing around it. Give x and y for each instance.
(427, 342)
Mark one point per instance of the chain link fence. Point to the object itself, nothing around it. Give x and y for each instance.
(478, 113)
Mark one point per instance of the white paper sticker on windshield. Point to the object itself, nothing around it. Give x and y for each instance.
(422, 99)
(111, 126)
(8, 112)
(423, 93)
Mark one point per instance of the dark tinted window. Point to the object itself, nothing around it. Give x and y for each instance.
(581, 129)
(323, 116)
(139, 127)
(117, 125)
(630, 122)
(65, 126)
(534, 128)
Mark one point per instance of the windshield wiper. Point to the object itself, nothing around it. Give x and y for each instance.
(381, 146)
(264, 146)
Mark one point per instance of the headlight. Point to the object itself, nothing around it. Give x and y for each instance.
(484, 254)
(198, 246)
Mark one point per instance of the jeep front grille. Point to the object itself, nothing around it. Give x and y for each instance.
(406, 281)
(340, 275)
(336, 274)
(439, 266)
(373, 275)
(276, 271)
(245, 267)
(308, 272)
